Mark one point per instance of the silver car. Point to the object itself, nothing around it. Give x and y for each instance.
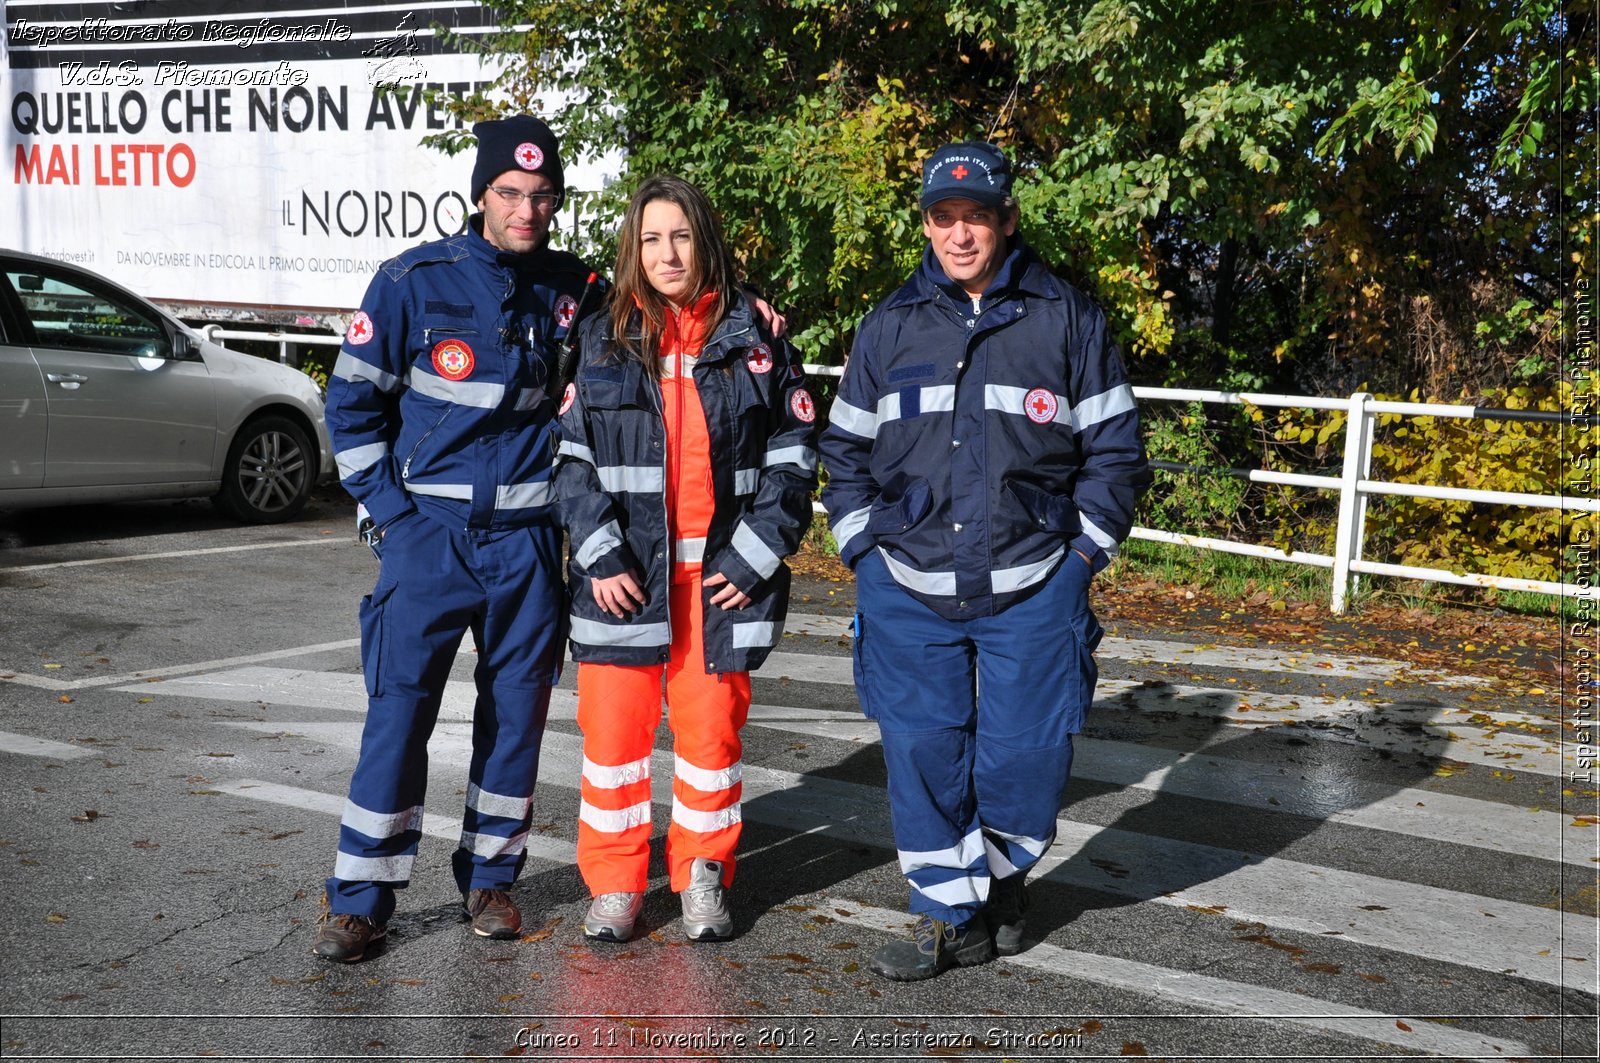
(104, 397)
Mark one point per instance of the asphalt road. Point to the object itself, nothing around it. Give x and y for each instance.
(1263, 853)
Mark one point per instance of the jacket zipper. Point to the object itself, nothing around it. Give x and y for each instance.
(666, 518)
(443, 330)
(405, 470)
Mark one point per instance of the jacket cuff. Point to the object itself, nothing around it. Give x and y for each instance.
(1098, 558)
(613, 563)
(730, 564)
(387, 506)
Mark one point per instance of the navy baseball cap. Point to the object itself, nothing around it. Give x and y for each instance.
(971, 170)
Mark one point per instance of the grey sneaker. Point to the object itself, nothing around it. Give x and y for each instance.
(705, 903)
(612, 915)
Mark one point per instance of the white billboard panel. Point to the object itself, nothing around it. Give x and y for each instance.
(234, 153)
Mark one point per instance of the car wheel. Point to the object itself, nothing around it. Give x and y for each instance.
(270, 471)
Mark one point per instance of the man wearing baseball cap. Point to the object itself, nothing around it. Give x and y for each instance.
(984, 458)
(442, 420)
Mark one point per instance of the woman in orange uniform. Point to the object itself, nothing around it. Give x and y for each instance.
(685, 473)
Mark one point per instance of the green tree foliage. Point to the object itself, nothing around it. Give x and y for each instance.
(1373, 188)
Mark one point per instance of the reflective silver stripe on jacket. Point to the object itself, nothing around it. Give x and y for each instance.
(1098, 534)
(460, 492)
(849, 526)
(576, 450)
(349, 367)
(483, 395)
(915, 579)
(600, 542)
(746, 481)
(941, 398)
(1004, 399)
(758, 634)
(688, 550)
(805, 457)
(594, 633)
(524, 496)
(637, 479)
(757, 554)
(1005, 580)
(360, 459)
(853, 419)
(1104, 406)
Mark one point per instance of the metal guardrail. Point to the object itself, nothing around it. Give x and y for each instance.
(1353, 484)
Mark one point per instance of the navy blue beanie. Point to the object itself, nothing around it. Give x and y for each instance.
(521, 143)
(969, 170)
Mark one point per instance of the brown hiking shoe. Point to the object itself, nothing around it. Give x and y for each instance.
(347, 938)
(493, 914)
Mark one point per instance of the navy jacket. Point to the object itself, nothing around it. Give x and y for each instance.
(437, 401)
(611, 482)
(974, 445)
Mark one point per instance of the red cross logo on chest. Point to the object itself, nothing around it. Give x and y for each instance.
(1040, 405)
(960, 173)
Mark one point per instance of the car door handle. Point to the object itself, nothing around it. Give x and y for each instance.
(70, 381)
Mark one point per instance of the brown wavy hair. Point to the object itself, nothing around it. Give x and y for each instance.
(638, 312)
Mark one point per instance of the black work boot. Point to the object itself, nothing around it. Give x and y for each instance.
(935, 946)
(347, 938)
(1007, 913)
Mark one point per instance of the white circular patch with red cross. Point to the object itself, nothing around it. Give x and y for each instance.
(1040, 405)
(759, 359)
(528, 156)
(568, 396)
(453, 359)
(566, 309)
(360, 330)
(800, 402)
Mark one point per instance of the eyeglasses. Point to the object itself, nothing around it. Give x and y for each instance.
(543, 202)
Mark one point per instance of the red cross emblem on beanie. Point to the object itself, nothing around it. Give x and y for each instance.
(1040, 405)
(528, 156)
(960, 173)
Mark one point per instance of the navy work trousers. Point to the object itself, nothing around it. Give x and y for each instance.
(436, 583)
(977, 718)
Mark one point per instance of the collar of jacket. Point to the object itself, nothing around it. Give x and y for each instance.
(737, 329)
(1021, 273)
(541, 259)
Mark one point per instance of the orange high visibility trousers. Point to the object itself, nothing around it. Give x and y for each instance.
(619, 709)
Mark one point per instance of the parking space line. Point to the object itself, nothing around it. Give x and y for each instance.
(29, 746)
(1231, 998)
(174, 553)
(44, 682)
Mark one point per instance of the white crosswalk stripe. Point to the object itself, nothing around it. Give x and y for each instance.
(1531, 941)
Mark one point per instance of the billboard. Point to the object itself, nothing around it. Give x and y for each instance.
(235, 153)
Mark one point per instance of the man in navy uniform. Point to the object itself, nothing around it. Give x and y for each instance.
(444, 429)
(984, 458)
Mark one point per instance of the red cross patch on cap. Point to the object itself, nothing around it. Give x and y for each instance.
(1040, 405)
(800, 402)
(528, 156)
(453, 359)
(360, 330)
(759, 359)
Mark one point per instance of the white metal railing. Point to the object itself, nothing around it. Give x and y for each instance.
(1353, 484)
(1354, 487)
